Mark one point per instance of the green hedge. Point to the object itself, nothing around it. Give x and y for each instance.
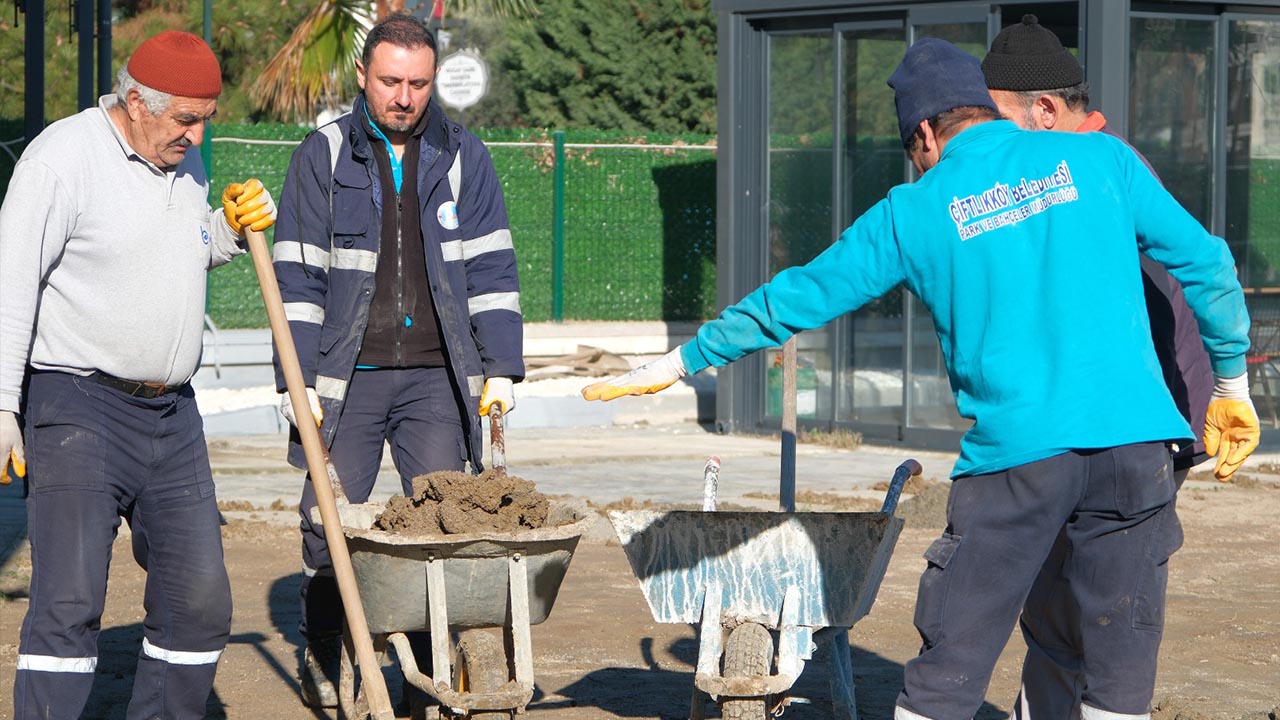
(639, 224)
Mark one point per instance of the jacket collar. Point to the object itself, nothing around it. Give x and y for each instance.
(434, 128)
(975, 133)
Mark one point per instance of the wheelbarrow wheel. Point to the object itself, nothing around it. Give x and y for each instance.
(481, 667)
(748, 652)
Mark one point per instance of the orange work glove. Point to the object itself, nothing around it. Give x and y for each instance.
(248, 204)
(1231, 429)
(313, 399)
(11, 447)
(644, 380)
(497, 390)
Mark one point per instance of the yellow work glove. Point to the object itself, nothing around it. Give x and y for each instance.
(1231, 429)
(248, 204)
(644, 380)
(497, 390)
(11, 447)
(286, 408)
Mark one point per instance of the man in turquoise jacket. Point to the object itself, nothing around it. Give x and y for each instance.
(1071, 416)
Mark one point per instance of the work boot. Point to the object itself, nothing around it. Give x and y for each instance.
(321, 661)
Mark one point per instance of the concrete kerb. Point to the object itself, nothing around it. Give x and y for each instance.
(235, 383)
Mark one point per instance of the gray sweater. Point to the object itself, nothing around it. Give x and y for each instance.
(103, 258)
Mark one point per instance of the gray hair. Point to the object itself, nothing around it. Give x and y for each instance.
(157, 102)
(1076, 98)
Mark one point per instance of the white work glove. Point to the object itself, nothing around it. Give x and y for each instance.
(644, 380)
(1231, 428)
(497, 390)
(286, 407)
(11, 447)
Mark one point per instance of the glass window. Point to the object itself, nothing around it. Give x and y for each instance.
(930, 401)
(1253, 151)
(871, 162)
(1253, 191)
(801, 138)
(1171, 73)
(970, 37)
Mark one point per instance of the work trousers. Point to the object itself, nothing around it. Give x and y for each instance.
(94, 455)
(1051, 679)
(1116, 508)
(415, 411)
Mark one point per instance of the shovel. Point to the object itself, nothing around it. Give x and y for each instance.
(323, 479)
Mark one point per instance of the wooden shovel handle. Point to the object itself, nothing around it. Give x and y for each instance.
(375, 688)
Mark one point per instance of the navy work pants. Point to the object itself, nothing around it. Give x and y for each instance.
(416, 412)
(1116, 509)
(94, 455)
(1051, 677)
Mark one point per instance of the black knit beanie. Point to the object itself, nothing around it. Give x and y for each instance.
(1026, 56)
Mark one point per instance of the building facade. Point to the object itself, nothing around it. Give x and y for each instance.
(808, 141)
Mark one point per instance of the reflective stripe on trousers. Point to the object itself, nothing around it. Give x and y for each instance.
(96, 455)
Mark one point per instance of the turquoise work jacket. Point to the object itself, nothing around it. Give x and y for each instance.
(1021, 245)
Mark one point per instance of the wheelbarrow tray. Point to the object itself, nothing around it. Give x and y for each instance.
(835, 559)
(391, 569)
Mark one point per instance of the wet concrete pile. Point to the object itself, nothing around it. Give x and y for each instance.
(458, 502)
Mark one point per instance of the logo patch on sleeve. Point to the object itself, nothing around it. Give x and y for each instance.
(447, 214)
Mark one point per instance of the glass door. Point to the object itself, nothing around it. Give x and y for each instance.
(1253, 150)
(800, 148)
(1172, 62)
(869, 378)
(1251, 135)
(930, 405)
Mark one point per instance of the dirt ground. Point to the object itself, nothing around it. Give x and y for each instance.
(600, 655)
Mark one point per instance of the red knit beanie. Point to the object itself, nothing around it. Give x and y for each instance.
(177, 63)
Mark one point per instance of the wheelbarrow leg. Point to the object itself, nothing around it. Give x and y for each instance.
(710, 647)
(843, 697)
(438, 611)
(521, 642)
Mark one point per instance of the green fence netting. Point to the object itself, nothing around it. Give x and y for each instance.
(639, 228)
(639, 241)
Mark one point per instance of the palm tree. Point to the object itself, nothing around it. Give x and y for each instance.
(316, 65)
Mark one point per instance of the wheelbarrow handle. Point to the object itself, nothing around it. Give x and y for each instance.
(710, 479)
(909, 468)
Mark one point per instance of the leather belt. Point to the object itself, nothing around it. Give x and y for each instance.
(134, 388)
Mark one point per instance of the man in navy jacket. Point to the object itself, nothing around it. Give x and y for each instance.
(395, 263)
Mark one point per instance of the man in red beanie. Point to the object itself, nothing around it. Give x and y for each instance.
(105, 239)
(1039, 85)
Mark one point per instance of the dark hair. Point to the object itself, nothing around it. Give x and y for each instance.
(399, 29)
(949, 122)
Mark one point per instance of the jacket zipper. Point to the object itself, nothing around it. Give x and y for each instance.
(400, 325)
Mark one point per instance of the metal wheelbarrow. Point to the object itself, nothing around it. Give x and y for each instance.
(463, 582)
(749, 577)
(752, 575)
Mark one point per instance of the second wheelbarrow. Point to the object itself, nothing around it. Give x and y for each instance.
(746, 576)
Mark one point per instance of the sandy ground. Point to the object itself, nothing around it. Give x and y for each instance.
(600, 655)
